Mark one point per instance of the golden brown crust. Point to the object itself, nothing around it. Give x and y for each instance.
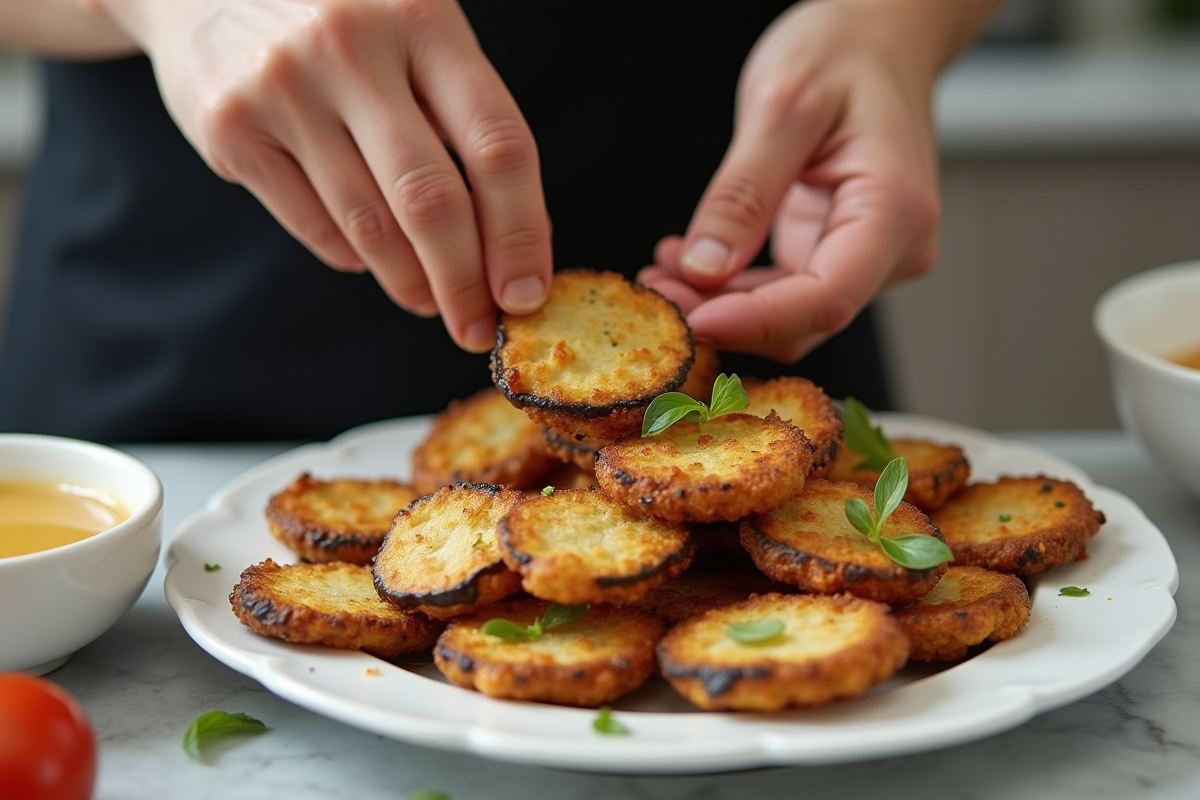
(441, 556)
(935, 471)
(968, 606)
(727, 468)
(831, 647)
(482, 439)
(343, 519)
(809, 543)
(329, 604)
(606, 653)
(805, 405)
(580, 546)
(592, 358)
(698, 590)
(579, 450)
(1022, 525)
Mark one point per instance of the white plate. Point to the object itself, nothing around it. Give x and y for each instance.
(1070, 648)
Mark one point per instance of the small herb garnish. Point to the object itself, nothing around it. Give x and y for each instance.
(607, 724)
(667, 409)
(211, 567)
(547, 491)
(755, 631)
(425, 794)
(479, 543)
(1006, 517)
(1073, 591)
(555, 616)
(863, 439)
(214, 725)
(913, 551)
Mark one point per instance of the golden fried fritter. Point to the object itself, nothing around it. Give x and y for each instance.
(1022, 525)
(580, 546)
(724, 469)
(607, 652)
(805, 405)
(698, 590)
(344, 519)
(441, 556)
(330, 604)
(935, 471)
(482, 439)
(968, 605)
(579, 450)
(568, 476)
(592, 358)
(809, 543)
(830, 647)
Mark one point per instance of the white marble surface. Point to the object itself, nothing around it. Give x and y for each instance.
(144, 681)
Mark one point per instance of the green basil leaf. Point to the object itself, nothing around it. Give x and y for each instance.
(667, 409)
(754, 631)
(1073, 591)
(890, 489)
(607, 724)
(916, 551)
(727, 396)
(425, 794)
(214, 725)
(547, 491)
(505, 629)
(859, 514)
(211, 567)
(863, 439)
(557, 615)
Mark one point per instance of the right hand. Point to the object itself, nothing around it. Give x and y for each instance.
(336, 115)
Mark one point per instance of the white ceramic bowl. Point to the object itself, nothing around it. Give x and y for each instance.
(56, 601)
(1143, 320)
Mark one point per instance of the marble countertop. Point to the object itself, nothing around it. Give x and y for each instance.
(144, 681)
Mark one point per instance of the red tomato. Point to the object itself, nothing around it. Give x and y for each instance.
(47, 751)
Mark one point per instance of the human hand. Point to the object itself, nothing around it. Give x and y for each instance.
(334, 113)
(833, 155)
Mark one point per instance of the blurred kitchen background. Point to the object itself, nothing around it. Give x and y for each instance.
(1070, 148)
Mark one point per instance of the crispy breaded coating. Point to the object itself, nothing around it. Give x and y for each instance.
(1022, 525)
(592, 358)
(935, 471)
(329, 604)
(482, 439)
(698, 590)
(831, 647)
(441, 556)
(579, 450)
(724, 469)
(606, 653)
(580, 546)
(344, 519)
(809, 543)
(704, 372)
(805, 405)
(968, 606)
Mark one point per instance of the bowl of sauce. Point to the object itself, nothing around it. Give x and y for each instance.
(1150, 325)
(80, 532)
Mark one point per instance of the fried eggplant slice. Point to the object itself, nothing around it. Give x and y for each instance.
(579, 546)
(482, 439)
(329, 604)
(1022, 525)
(968, 606)
(441, 556)
(805, 405)
(809, 543)
(698, 590)
(591, 359)
(830, 647)
(344, 519)
(579, 450)
(606, 653)
(726, 468)
(935, 471)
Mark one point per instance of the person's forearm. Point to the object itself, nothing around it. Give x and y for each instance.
(62, 28)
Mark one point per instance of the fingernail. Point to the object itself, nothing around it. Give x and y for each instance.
(480, 336)
(705, 257)
(523, 295)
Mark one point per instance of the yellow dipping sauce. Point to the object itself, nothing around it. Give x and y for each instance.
(1188, 359)
(39, 515)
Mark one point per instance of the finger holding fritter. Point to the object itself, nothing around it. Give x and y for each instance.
(606, 653)
(809, 543)
(805, 405)
(829, 647)
(1022, 525)
(343, 519)
(330, 604)
(935, 471)
(729, 467)
(579, 546)
(441, 556)
(968, 606)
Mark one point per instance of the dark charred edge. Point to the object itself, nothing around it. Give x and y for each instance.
(261, 609)
(505, 534)
(322, 538)
(466, 592)
(827, 456)
(460, 660)
(559, 442)
(853, 573)
(716, 680)
(683, 554)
